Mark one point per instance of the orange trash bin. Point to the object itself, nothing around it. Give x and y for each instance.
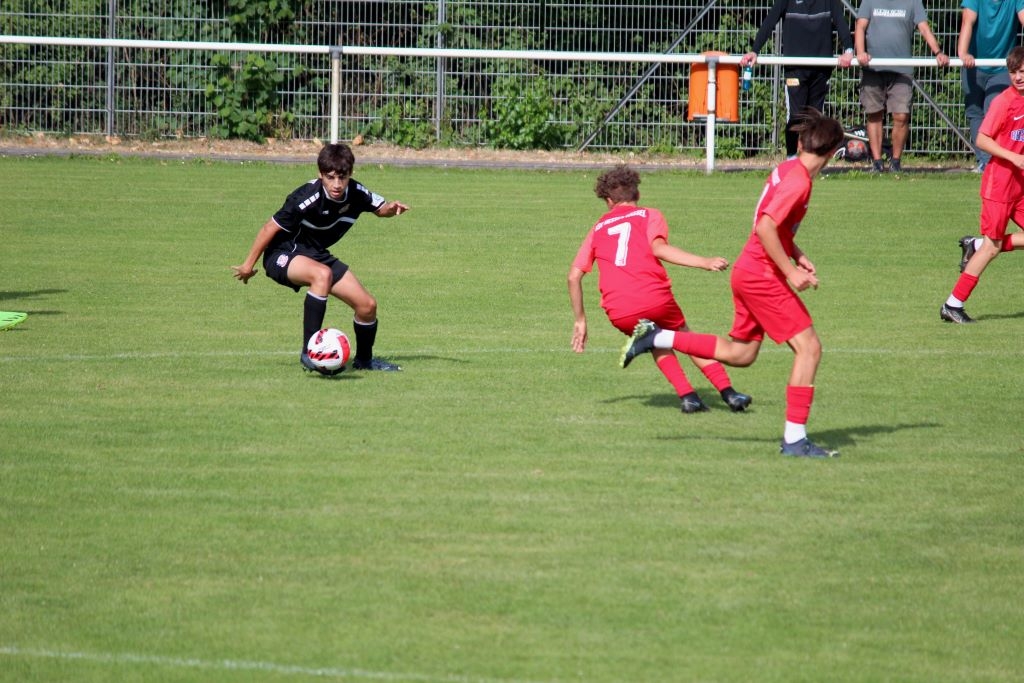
(727, 91)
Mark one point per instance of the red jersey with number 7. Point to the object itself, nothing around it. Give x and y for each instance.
(631, 278)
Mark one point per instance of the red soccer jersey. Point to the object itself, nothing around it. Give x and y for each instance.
(1004, 123)
(631, 279)
(785, 197)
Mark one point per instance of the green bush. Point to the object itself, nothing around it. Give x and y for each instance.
(522, 114)
(403, 121)
(245, 97)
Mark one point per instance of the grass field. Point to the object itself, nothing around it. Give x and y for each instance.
(179, 502)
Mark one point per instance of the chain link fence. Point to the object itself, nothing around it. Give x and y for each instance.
(420, 101)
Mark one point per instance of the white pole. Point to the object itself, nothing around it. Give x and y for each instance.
(460, 53)
(710, 126)
(335, 92)
(439, 77)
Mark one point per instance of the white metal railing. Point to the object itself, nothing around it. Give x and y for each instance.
(336, 52)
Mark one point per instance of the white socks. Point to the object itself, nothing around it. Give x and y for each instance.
(664, 339)
(794, 432)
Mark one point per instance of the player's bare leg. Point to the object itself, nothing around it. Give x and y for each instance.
(970, 244)
(719, 378)
(364, 309)
(304, 271)
(800, 395)
(952, 311)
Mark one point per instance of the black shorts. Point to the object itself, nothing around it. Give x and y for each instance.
(275, 265)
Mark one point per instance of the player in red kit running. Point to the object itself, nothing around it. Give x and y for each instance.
(1002, 189)
(629, 244)
(765, 280)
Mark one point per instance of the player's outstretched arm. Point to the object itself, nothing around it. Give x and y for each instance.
(247, 269)
(390, 209)
(673, 254)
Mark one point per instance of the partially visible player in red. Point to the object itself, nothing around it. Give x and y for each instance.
(629, 244)
(1002, 189)
(765, 280)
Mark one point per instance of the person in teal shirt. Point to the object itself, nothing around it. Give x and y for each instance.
(988, 30)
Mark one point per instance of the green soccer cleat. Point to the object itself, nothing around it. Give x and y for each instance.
(642, 341)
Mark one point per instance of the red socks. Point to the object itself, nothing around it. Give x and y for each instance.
(717, 376)
(965, 284)
(798, 403)
(673, 371)
(695, 344)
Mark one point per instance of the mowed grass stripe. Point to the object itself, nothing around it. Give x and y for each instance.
(173, 485)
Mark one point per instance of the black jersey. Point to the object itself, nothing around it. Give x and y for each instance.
(311, 221)
(806, 27)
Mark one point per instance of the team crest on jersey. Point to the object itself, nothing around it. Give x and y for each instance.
(282, 260)
(1017, 135)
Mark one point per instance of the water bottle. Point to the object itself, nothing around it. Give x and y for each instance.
(748, 77)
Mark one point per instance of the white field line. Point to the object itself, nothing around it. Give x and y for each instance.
(180, 355)
(122, 659)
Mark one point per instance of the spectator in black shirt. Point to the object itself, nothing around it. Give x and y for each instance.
(807, 27)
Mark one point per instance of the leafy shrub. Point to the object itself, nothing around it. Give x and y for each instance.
(522, 115)
(403, 121)
(246, 99)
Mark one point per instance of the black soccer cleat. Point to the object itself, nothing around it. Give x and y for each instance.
(691, 403)
(805, 448)
(736, 401)
(952, 314)
(378, 364)
(967, 250)
(309, 366)
(642, 341)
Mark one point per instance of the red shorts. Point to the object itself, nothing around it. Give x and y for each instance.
(996, 216)
(667, 316)
(766, 305)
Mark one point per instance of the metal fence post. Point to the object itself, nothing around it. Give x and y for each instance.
(441, 65)
(335, 91)
(111, 75)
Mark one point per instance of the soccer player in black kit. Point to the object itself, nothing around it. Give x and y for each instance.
(295, 242)
(806, 32)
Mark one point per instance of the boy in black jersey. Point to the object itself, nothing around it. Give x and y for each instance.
(295, 242)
